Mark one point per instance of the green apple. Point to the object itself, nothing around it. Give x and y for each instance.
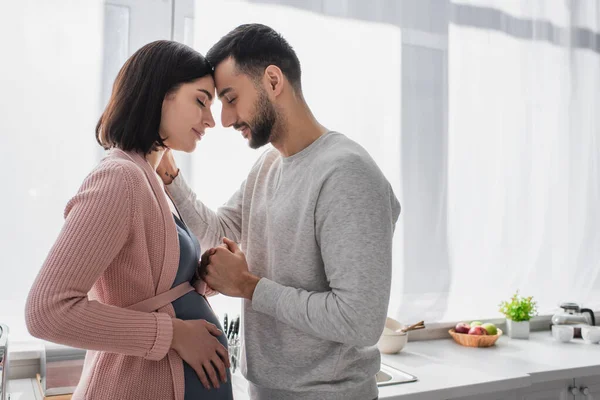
(490, 329)
(476, 323)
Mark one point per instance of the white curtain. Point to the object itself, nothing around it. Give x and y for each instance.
(486, 128)
(50, 84)
(523, 159)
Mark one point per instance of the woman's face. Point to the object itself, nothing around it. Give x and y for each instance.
(186, 114)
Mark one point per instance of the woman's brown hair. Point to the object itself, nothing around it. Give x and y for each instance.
(132, 116)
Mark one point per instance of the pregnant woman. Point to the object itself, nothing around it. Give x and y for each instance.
(120, 280)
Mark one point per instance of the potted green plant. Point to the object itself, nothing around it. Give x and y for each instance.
(518, 311)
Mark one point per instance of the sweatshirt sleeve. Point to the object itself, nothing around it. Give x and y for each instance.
(354, 223)
(97, 225)
(209, 226)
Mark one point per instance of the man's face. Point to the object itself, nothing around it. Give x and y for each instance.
(246, 105)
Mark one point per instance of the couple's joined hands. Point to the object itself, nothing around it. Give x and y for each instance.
(225, 270)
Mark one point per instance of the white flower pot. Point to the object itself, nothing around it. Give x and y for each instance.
(518, 330)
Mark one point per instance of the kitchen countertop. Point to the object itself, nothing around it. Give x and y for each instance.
(22, 389)
(447, 370)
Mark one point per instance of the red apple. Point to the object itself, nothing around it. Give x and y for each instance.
(462, 327)
(477, 330)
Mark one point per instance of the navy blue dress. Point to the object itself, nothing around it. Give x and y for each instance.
(195, 306)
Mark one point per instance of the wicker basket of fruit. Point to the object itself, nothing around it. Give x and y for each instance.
(475, 334)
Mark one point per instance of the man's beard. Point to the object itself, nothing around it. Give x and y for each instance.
(261, 129)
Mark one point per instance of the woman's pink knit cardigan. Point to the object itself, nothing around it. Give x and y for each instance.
(118, 246)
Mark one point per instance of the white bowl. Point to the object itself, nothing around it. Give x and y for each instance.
(591, 334)
(563, 333)
(392, 341)
(392, 344)
(392, 327)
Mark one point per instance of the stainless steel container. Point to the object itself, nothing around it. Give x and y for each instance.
(60, 369)
(3, 362)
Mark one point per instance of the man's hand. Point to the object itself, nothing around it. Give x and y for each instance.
(167, 168)
(228, 272)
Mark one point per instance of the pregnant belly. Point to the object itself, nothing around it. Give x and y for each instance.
(194, 306)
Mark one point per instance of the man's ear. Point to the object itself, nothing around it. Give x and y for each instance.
(274, 79)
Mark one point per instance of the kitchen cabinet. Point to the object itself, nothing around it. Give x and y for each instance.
(555, 390)
(588, 388)
(569, 389)
(585, 389)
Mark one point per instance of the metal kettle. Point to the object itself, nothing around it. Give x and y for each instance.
(572, 314)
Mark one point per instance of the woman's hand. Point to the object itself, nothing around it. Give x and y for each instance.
(196, 343)
(201, 272)
(210, 292)
(167, 168)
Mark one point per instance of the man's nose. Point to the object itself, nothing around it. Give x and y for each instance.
(228, 118)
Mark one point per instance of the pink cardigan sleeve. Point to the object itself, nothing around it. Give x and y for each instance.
(98, 223)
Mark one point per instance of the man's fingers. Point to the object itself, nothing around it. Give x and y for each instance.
(209, 274)
(233, 247)
(209, 280)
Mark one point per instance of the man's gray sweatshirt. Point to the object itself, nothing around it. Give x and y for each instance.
(317, 228)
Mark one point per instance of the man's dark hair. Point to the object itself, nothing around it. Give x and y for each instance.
(132, 116)
(254, 47)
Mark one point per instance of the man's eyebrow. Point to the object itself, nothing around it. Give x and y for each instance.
(225, 91)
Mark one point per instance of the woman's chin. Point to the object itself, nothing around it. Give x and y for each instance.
(192, 147)
(188, 148)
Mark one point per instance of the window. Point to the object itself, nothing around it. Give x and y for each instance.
(50, 80)
(481, 113)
